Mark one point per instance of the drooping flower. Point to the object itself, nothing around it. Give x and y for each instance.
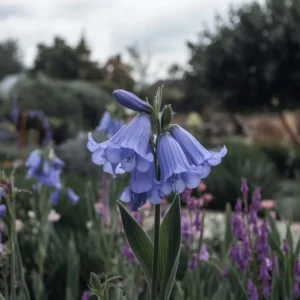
(127, 149)
(73, 197)
(131, 101)
(143, 186)
(195, 153)
(176, 173)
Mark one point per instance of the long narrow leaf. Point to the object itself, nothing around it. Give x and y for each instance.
(139, 242)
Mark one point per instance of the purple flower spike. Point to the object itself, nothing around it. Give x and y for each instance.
(126, 150)
(285, 247)
(252, 290)
(244, 186)
(176, 172)
(203, 255)
(73, 197)
(85, 295)
(193, 263)
(195, 153)
(133, 102)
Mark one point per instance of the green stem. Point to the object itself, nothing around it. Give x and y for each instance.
(12, 241)
(154, 288)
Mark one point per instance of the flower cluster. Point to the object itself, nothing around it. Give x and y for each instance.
(45, 168)
(182, 160)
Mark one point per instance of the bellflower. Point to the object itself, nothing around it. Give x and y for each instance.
(131, 101)
(143, 186)
(33, 163)
(127, 149)
(176, 173)
(195, 153)
(54, 197)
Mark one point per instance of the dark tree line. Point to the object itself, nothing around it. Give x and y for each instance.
(250, 61)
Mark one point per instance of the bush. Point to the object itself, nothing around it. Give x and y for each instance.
(242, 161)
(76, 101)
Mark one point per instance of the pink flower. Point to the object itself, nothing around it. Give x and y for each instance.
(267, 204)
(207, 197)
(19, 225)
(201, 187)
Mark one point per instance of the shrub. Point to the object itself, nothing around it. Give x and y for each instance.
(242, 161)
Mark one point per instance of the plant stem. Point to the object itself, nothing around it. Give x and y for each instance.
(154, 287)
(12, 241)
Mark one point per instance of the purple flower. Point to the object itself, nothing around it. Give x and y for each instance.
(238, 227)
(262, 242)
(133, 102)
(254, 207)
(186, 230)
(252, 290)
(225, 271)
(203, 255)
(73, 197)
(176, 173)
(197, 222)
(195, 153)
(238, 206)
(85, 295)
(54, 197)
(193, 262)
(244, 186)
(127, 252)
(127, 149)
(33, 163)
(296, 291)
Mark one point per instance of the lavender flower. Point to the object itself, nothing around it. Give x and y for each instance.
(254, 207)
(127, 252)
(131, 101)
(203, 255)
(127, 149)
(186, 230)
(252, 290)
(244, 186)
(85, 295)
(195, 153)
(193, 262)
(285, 247)
(176, 172)
(197, 222)
(296, 291)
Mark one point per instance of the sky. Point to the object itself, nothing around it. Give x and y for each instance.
(159, 28)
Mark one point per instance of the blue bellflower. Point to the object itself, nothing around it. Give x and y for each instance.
(54, 197)
(176, 173)
(132, 101)
(73, 197)
(143, 186)
(126, 150)
(195, 153)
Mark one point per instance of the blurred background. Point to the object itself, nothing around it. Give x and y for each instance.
(230, 69)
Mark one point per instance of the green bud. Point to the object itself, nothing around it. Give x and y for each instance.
(166, 116)
(95, 282)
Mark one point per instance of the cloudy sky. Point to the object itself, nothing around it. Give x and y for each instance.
(159, 27)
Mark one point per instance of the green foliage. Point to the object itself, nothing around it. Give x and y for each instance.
(10, 58)
(242, 161)
(248, 59)
(76, 101)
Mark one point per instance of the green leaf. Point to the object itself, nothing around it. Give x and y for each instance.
(139, 242)
(169, 249)
(1, 297)
(221, 292)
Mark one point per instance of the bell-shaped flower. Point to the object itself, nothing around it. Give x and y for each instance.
(127, 149)
(54, 197)
(195, 153)
(33, 163)
(133, 102)
(176, 173)
(143, 186)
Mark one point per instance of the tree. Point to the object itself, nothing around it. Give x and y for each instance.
(10, 58)
(62, 61)
(249, 60)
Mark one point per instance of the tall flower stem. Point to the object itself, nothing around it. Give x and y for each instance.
(12, 241)
(154, 287)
